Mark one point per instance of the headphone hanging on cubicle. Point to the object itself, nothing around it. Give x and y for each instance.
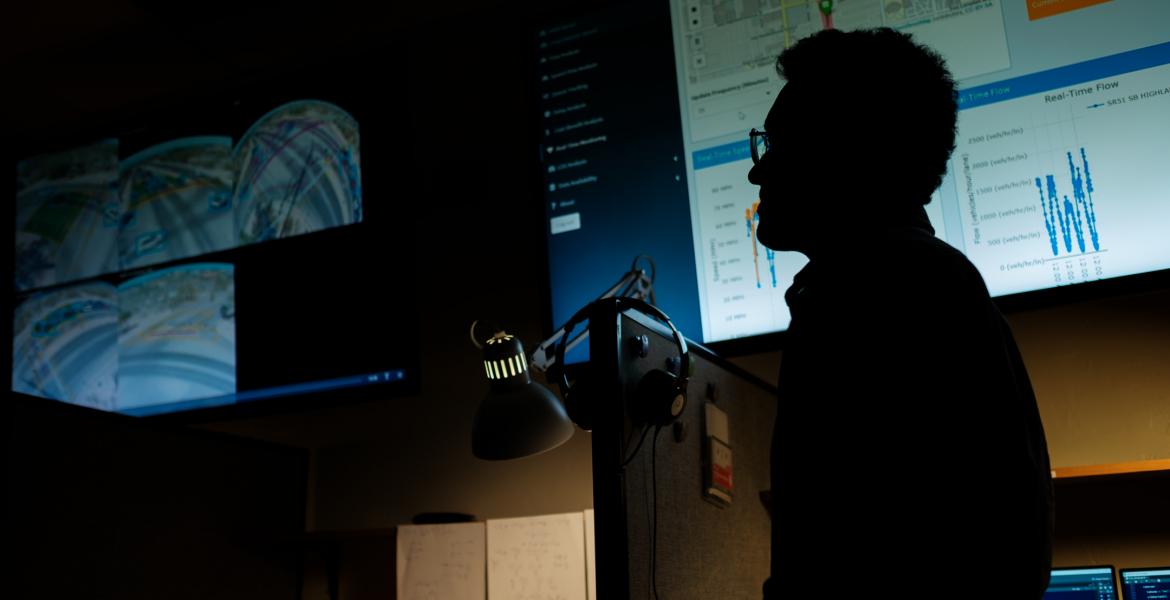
(660, 397)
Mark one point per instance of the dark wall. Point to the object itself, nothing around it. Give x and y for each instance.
(479, 229)
(105, 506)
(462, 174)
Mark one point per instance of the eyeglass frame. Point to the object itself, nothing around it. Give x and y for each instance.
(755, 135)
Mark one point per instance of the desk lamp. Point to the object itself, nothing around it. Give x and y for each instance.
(521, 418)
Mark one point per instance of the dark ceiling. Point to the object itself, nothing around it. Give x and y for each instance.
(64, 64)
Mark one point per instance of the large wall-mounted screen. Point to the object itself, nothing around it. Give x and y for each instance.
(1059, 176)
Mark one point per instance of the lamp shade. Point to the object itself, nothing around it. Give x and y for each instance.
(518, 417)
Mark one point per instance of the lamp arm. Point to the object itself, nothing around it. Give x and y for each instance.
(634, 284)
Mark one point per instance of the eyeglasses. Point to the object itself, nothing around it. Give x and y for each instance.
(760, 144)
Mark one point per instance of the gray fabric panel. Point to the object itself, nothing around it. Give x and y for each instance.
(703, 550)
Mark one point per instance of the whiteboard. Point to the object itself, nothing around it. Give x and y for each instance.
(441, 562)
(537, 558)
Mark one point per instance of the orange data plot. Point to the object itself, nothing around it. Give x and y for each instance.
(1039, 9)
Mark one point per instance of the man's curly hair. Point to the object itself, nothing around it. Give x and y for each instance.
(893, 98)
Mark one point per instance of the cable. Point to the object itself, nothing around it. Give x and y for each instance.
(653, 267)
(634, 454)
(653, 274)
(654, 505)
(654, 496)
(475, 341)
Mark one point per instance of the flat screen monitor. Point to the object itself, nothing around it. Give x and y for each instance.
(242, 246)
(1058, 178)
(1082, 583)
(1145, 584)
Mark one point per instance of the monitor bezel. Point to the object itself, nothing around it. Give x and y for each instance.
(1121, 577)
(1112, 574)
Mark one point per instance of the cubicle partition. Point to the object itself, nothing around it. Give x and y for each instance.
(685, 513)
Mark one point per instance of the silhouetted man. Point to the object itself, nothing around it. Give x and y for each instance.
(908, 455)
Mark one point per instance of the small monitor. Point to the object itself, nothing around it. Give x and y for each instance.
(1151, 583)
(1082, 583)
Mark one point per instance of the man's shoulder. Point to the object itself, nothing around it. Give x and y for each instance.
(907, 274)
(923, 262)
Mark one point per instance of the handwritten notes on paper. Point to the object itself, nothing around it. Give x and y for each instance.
(590, 555)
(550, 557)
(537, 558)
(441, 562)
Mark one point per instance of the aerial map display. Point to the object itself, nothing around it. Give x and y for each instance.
(65, 345)
(298, 172)
(66, 216)
(176, 201)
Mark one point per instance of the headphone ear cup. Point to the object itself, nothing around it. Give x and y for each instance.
(579, 405)
(660, 400)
